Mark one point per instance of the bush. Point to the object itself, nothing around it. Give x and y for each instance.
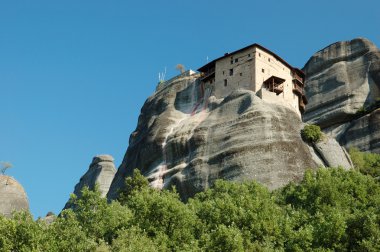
(311, 133)
(366, 162)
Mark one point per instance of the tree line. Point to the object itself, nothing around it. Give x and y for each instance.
(331, 209)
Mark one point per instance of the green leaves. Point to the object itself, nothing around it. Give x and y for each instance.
(366, 162)
(330, 210)
(311, 133)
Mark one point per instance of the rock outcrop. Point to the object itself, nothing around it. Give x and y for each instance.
(332, 154)
(12, 196)
(362, 133)
(342, 80)
(187, 138)
(101, 171)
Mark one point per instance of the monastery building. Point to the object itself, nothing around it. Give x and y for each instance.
(257, 69)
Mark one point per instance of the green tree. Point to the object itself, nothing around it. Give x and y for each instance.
(132, 185)
(99, 219)
(22, 233)
(134, 239)
(247, 207)
(366, 162)
(332, 203)
(67, 234)
(164, 218)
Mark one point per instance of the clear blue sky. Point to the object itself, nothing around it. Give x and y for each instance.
(74, 74)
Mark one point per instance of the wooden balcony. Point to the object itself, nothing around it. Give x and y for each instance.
(278, 89)
(297, 78)
(298, 90)
(274, 84)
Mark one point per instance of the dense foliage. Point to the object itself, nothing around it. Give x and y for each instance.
(366, 162)
(311, 133)
(330, 210)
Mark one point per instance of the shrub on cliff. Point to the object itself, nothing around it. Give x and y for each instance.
(311, 133)
(366, 162)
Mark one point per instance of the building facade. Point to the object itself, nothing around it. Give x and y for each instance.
(257, 69)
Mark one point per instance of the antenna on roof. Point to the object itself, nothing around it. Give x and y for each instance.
(161, 76)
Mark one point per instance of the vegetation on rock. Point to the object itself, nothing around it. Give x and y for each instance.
(366, 162)
(331, 209)
(5, 166)
(311, 133)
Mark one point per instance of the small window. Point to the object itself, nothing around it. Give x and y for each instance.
(231, 72)
(225, 82)
(241, 74)
(249, 55)
(236, 60)
(223, 72)
(262, 70)
(232, 61)
(269, 59)
(259, 54)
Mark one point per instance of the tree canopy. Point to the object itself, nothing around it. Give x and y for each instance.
(330, 210)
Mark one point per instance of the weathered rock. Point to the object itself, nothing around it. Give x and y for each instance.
(187, 138)
(49, 218)
(362, 133)
(341, 79)
(101, 171)
(12, 196)
(332, 154)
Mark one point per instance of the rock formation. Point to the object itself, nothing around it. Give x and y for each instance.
(187, 138)
(12, 196)
(342, 80)
(101, 171)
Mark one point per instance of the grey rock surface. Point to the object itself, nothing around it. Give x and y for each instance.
(362, 133)
(49, 218)
(101, 171)
(188, 138)
(332, 154)
(341, 79)
(12, 196)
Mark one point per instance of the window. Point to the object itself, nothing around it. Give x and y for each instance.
(269, 59)
(249, 55)
(241, 74)
(232, 61)
(231, 72)
(236, 60)
(225, 82)
(262, 70)
(259, 54)
(223, 72)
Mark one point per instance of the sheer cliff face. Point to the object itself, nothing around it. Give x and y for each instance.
(340, 80)
(187, 138)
